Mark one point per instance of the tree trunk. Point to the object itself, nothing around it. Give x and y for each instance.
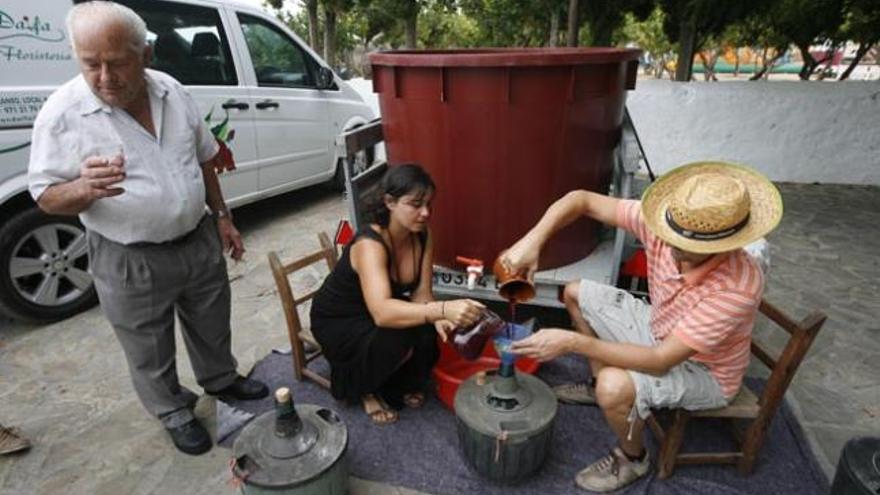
(314, 27)
(766, 67)
(330, 37)
(554, 29)
(736, 58)
(863, 49)
(411, 27)
(573, 23)
(709, 65)
(809, 63)
(687, 41)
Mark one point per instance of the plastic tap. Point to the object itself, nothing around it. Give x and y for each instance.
(474, 270)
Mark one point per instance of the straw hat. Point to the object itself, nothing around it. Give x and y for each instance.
(711, 207)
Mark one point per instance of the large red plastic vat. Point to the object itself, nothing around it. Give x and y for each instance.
(504, 133)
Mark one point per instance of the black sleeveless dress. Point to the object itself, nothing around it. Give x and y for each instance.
(365, 358)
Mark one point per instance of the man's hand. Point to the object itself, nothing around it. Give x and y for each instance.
(545, 344)
(444, 328)
(230, 237)
(98, 174)
(522, 257)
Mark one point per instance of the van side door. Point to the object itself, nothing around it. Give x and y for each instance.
(290, 112)
(192, 44)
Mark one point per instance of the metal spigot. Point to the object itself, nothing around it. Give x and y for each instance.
(474, 270)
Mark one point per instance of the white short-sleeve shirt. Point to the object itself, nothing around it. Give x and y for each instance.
(164, 194)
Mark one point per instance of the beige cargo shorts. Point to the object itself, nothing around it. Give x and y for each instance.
(617, 316)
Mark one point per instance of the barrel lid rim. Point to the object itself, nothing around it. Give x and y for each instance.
(255, 481)
(504, 57)
(306, 412)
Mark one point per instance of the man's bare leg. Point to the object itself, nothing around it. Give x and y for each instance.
(616, 394)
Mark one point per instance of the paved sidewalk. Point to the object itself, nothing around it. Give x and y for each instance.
(66, 385)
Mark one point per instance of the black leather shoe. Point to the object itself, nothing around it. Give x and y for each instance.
(191, 438)
(242, 389)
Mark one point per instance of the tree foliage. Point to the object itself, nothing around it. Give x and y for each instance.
(659, 51)
(672, 32)
(861, 24)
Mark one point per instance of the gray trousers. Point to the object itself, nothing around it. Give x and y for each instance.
(141, 287)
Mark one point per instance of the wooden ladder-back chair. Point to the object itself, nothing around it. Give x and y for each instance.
(290, 303)
(746, 405)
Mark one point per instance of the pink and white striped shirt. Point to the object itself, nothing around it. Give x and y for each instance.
(710, 308)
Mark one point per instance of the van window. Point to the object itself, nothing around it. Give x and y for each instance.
(278, 61)
(188, 42)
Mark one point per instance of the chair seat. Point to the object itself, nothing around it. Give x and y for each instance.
(744, 405)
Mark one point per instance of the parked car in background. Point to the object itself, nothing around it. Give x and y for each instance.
(262, 90)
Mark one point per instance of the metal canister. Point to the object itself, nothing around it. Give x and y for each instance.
(295, 449)
(505, 423)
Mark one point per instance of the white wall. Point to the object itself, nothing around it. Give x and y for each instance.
(793, 131)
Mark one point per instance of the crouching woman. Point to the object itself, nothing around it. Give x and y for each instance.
(375, 316)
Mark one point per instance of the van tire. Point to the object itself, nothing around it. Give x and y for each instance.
(363, 160)
(64, 272)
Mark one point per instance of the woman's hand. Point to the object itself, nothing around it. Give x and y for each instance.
(444, 328)
(462, 312)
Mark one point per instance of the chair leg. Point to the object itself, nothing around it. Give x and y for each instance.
(753, 439)
(671, 444)
(299, 357)
(659, 434)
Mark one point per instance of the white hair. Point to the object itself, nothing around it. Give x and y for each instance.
(95, 11)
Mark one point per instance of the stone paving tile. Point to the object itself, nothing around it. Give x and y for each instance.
(66, 384)
(825, 256)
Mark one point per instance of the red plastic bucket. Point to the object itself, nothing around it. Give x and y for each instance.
(451, 369)
(504, 133)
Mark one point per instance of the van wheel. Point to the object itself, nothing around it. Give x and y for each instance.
(44, 267)
(362, 161)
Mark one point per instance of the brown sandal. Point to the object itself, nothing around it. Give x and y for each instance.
(414, 400)
(378, 411)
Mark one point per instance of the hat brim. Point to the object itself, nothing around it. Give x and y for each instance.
(765, 215)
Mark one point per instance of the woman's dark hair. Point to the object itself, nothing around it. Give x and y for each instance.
(398, 181)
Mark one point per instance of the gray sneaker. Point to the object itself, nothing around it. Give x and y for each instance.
(580, 393)
(12, 441)
(612, 472)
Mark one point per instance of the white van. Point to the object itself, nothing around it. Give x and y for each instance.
(262, 89)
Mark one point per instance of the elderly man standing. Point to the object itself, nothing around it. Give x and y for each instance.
(124, 147)
(690, 347)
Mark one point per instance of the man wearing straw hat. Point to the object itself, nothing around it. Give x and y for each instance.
(690, 347)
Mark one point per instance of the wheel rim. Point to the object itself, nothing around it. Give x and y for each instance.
(49, 265)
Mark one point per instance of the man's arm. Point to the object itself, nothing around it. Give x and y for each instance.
(229, 235)
(523, 255)
(550, 343)
(97, 177)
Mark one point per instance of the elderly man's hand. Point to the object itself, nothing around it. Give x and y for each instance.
(544, 345)
(231, 238)
(98, 174)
